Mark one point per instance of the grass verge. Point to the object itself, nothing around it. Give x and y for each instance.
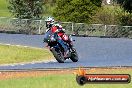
(4, 12)
(14, 54)
(63, 80)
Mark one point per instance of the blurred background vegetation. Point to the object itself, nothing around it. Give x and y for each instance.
(86, 11)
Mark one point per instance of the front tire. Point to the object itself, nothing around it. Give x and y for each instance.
(74, 55)
(58, 55)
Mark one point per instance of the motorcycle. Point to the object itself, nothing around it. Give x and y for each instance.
(57, 50)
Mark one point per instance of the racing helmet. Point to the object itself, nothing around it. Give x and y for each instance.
(49, 22)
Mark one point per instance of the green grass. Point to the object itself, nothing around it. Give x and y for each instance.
(13, 54)
(4, 12)
(59, 81)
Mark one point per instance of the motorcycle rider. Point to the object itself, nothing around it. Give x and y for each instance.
(50, 26)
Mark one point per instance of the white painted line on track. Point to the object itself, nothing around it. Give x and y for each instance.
(33, 62)
(20, 45)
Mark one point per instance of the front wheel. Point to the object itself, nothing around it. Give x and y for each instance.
(58, 55)
(74, 55)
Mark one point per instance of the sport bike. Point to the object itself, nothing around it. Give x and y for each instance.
(57, 50)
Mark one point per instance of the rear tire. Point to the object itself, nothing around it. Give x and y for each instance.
(58, 55)
(74, 56)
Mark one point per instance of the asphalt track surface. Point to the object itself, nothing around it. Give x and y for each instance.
(93, 52)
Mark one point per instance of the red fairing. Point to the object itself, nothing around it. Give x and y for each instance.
(64, 37)
(60, 34)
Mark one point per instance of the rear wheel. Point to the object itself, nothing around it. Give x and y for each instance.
(58, 55)
(74, 55)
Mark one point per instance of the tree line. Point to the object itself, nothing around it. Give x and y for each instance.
(85, 11)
